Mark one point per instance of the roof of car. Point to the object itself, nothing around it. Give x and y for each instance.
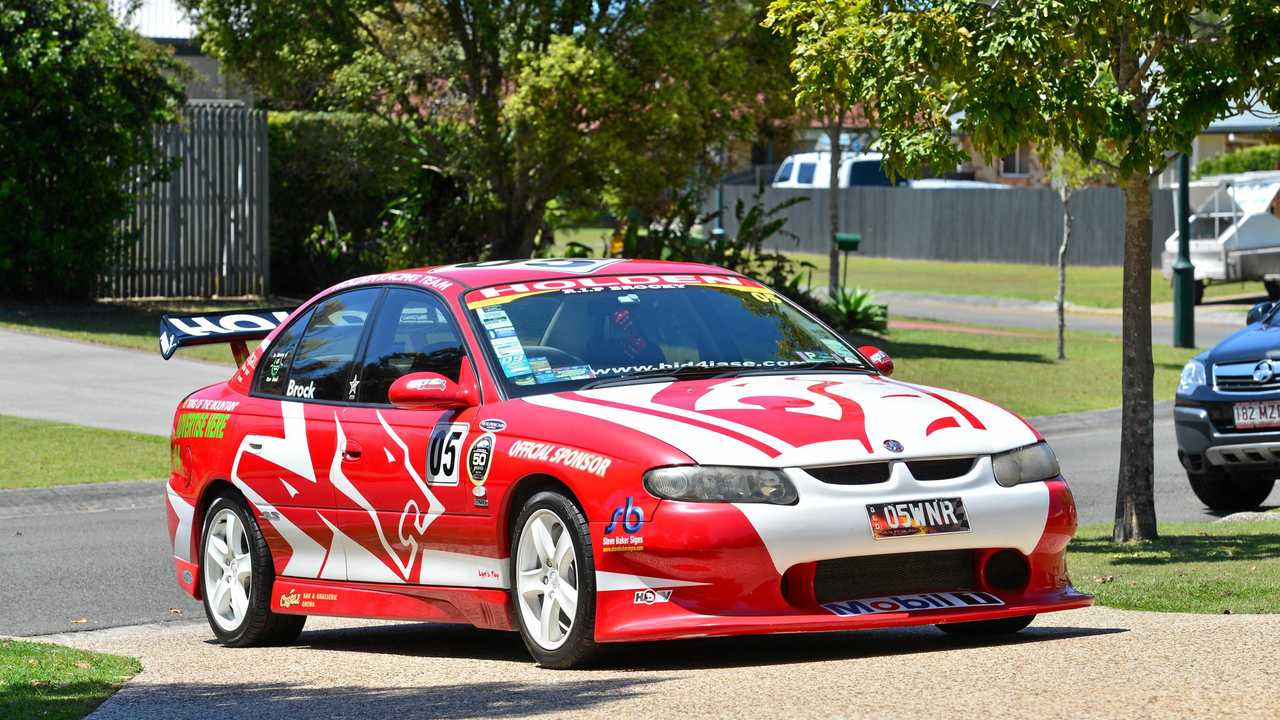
(474, 275)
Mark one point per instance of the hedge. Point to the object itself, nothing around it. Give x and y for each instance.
(348, 164)
(1261, 157)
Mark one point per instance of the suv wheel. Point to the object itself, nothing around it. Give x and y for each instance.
(236, 575)
(554, 581)
(1230, 492)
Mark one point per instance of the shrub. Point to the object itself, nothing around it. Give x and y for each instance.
(856, 312)
(79, 94)
(1262, 157)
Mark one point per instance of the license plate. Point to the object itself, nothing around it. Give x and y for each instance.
(917, 517)
(1257, 414)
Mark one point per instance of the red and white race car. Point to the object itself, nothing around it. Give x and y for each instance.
(595, 451)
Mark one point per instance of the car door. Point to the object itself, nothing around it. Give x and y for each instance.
(406, 471)
(288, 446)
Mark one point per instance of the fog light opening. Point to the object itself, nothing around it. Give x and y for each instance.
(1006, 570)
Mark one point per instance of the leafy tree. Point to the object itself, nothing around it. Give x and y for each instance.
(79, 95)
(1137, 77)
(545, 101)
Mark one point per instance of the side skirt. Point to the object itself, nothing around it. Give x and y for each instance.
(482, 607)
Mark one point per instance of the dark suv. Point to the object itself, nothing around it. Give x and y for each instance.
(1227, 415)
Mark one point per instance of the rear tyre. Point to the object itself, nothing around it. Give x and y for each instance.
(236, 575)
(1225, 492)
(553, 589)
(987, 628)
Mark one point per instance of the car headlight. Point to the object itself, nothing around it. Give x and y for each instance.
(1192, 377)
(1028, 464)
(703, 483)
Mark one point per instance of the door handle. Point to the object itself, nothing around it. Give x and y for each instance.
(352, 452)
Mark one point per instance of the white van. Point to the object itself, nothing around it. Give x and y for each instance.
(813, 170)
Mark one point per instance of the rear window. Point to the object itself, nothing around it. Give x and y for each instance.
(867, 172)
(805, 176)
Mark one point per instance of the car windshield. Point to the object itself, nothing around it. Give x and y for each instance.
(574, 333)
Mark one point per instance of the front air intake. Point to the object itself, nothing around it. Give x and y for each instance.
(901, 573)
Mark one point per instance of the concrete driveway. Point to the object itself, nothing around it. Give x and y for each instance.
(97, 385)
(1079, 664)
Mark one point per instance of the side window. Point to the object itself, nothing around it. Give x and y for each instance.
(784, 173)
(805, 176)
(323, 363)
(273, 370)
(412, 333)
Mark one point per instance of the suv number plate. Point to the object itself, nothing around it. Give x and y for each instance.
(1257, 414)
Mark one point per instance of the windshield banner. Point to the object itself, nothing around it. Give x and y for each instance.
(499, 294)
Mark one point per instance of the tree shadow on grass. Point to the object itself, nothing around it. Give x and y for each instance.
(1172, 549)
(901, 350)
(462, 642)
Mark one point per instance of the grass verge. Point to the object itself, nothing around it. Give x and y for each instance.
(1019, 370)
(1193, 567)
(38, 680)
(54, 453)
(128, 325)
(1087, 286)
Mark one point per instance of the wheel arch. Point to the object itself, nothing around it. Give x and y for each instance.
(520, 492)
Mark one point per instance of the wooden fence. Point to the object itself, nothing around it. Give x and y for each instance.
(204, 232)
(1016, 226)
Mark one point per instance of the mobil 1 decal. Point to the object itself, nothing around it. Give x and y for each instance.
(444, 453)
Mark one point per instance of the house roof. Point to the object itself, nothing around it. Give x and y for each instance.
(1261, 119)
(155, 19)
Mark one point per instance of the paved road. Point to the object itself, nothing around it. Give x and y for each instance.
(1092, 663)
(1214, 321)
(90, 384)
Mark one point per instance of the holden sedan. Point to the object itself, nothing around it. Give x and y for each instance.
(596, 451)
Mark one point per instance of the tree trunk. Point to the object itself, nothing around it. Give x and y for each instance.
(1062, 272)
(1135, 497)
(833, 198)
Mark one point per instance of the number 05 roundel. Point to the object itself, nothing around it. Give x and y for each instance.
(444, 453)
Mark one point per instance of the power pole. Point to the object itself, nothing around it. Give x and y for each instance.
(1184, 277)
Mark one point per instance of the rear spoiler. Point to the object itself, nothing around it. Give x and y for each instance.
(236, 327)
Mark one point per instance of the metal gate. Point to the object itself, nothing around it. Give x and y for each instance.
(204, 232)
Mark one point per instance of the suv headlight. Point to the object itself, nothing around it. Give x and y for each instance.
(1192, 377)
(703, 483)
(1031, 463)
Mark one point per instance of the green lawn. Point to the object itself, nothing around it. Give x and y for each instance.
(131, 325)
(1020, 371)
(1089, 286)
(38, 680)
(1193, 567)
(54, 453)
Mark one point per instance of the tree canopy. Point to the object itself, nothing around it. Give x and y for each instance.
(550, 101)
(79, 95)
(1139, 78)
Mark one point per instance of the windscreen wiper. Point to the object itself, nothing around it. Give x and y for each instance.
(669, 375)
(823, 365)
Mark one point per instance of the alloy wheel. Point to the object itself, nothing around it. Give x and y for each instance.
(547, 579)
(228, 569)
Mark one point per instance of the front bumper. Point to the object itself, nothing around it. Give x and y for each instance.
(1201, 445)
(709, 569)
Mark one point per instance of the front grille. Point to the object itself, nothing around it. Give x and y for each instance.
(855, 474)
(853, 578)
(940, 469)
(1238, 377)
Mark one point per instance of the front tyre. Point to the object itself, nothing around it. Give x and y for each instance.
(554, 589)
(236, 577)
(1226, 492)
(987, 628)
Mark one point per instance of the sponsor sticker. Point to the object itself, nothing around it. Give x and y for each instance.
(426, 384)
(293, 599)
(627, 519)
(649, 597)
(479, 458)
(917, 517)
(498, 294)
(201, 425)
(556, 454)
(298, 390)
(493, 424)
(955, 600)
(217, 405)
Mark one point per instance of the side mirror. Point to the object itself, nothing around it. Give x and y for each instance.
(879, 358)
(1257, 312)
(430, 391)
